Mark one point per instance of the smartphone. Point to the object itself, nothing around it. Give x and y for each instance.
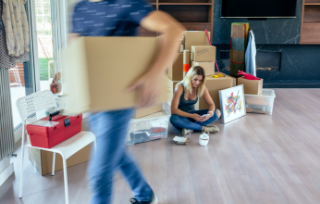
(205, 115)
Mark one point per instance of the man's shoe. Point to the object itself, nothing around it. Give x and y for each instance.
(153, 201)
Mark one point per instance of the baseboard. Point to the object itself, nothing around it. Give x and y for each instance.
(6, 171)
(18, 134)
(291, 84)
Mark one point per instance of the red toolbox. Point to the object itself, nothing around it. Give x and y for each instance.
(61, 129)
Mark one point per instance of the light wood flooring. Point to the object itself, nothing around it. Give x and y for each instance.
(258, 159)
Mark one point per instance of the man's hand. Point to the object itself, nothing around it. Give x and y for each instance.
(149, 89)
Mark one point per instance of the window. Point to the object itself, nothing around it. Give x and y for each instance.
(17, 89)
(45, 43)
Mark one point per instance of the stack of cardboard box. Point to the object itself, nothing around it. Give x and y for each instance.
(204, 55)
(258, 100)
(251, 86)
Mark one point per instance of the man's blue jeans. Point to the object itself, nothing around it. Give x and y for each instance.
(188, 123)
(110, 155)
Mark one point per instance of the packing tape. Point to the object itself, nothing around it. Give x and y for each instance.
(186, 67)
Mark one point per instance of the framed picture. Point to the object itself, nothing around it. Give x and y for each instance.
(232, 103)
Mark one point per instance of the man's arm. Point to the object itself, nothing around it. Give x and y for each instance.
(171, 31)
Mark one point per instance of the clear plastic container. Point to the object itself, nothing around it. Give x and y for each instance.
(262, 103)
(147, 129)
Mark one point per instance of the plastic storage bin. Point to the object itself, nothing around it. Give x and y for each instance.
(147, 129)
(262, 103)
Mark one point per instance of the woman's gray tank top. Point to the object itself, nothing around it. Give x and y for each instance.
(186, 105)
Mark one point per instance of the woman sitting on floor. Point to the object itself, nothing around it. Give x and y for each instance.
(186, 95)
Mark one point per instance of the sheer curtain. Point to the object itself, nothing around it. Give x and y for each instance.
(59, 31)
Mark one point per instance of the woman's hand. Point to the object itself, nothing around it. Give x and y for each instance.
(197, 117)
(205, 118)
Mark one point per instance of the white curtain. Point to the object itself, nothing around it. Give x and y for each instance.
(59, 31)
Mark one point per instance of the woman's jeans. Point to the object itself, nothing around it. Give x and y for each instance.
(189, 123)
(110, 155)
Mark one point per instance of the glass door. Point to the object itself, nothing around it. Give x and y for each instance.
(45, 43)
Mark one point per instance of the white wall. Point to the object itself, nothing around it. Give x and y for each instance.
(6, 169)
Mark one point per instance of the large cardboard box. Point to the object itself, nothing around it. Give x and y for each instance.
(175, 70)
(203, 53)
(195, 38)
(42, 160)
(171, 86)
(141, 112)
(251, 86)
(207, 66)
(214, 85)
(98, 71)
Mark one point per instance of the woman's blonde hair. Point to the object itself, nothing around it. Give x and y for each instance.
(187, 81)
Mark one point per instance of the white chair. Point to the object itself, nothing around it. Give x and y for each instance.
(44, 100)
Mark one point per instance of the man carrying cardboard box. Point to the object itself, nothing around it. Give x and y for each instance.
(121, 18)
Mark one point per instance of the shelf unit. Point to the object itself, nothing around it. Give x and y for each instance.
(193, 14)
(310, 22)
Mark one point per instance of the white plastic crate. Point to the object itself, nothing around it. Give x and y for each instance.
(262, 103)
(148, 129)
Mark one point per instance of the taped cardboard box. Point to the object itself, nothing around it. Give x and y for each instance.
(141, 112)
(251, 86)
(175, 70)
(203, 53)
(214, 85)
(171, 86)
(195, 38)
(167, 106)
(98, 70)
(207, 66)
(42, 160)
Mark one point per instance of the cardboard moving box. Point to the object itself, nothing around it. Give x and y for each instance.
(98, 70)
(171, 86)
(195, 38)
(251, 86)
(175, 70)
(203, 53)
(42, 160)
(214, 85)
(141, 112)
(207, 66)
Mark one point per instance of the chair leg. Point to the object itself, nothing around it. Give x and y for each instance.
(21, 163)
(53, 163)
(65, 180)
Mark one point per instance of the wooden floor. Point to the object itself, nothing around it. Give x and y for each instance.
(258, 159)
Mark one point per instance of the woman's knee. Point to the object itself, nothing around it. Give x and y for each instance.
(174, 119)
(218, 113)
(177, 121)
